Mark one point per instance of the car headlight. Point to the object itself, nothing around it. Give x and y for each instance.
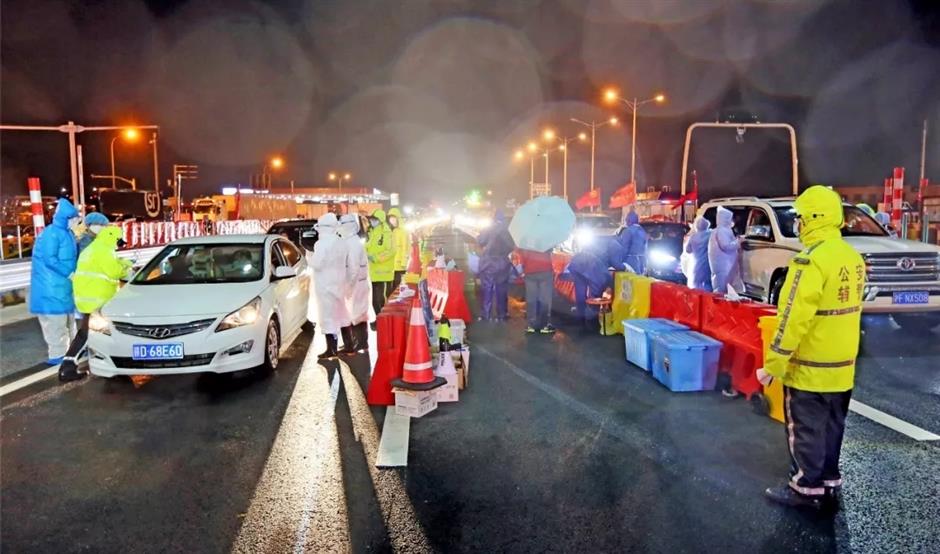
(661, 259)
(584, 236)
(98, 323)
(246, 315)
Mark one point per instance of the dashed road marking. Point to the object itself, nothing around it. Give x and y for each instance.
(28, 380)
(892, 422)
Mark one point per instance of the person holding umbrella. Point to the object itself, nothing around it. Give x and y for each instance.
(537, 228)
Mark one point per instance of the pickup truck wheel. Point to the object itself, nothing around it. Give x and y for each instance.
(917, 323)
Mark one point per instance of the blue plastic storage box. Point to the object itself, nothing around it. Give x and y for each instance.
(685, 360)
(637, 334)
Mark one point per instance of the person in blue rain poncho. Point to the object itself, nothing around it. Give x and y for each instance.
(700, 274)
(590, 272)
(723, 252)
(55, 256)
(629, 247)
(495, 268)
(94, 223)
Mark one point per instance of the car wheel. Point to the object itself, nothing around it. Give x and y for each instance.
(917, 323)
(272, 346)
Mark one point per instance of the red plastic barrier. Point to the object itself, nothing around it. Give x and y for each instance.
(391, 327)
(438, 290)
(678, 303)
(456, 306)
(560, 261)
(736, 324)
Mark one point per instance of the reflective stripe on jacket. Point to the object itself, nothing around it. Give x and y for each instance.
(99, 271)
(819, 312)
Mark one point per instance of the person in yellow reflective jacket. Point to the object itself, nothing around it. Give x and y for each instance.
(94, 282)
(402, 245)
(380, 249)
(814, 348)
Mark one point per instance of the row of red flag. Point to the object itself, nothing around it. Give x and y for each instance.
(626, 196)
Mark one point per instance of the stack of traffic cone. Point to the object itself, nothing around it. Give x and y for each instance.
(413, 275)
(417, 372)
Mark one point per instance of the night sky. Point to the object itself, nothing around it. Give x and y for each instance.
(432, 98)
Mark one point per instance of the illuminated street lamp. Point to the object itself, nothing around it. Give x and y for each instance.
(611, 96)
(333, 176)
(277, 162)
(593, 126)
(130, 135)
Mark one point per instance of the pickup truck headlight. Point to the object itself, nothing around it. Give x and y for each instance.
(97, 323)
(246, 315)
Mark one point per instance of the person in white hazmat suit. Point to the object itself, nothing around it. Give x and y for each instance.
(724, 250)
(329, 274)
(358, 286)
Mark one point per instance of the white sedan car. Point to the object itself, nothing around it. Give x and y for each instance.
(208, 304)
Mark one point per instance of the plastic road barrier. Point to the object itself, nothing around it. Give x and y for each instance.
(736, 323)
(565, 288)
(773, 392)
(391, 327)
(631, 300)
(456, 306)
(678, 303)
(438, 290)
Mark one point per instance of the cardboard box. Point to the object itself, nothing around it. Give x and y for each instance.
(446, 369)
(464, 369)
(414, 403)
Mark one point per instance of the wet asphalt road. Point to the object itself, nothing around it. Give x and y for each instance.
(557, 445)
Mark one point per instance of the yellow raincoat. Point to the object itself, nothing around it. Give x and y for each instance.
(99, 271)
(402, 241)
(816, 341)
(380, 249)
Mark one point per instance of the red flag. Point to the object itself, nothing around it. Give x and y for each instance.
(591, 199)
(624, 196)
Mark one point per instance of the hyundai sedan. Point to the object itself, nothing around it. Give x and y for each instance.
(208, 304)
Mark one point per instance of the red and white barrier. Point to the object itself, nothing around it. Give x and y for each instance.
(140, 234)
(35, 204)
(897, 206)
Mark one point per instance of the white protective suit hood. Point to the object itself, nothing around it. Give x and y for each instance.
(349, 226)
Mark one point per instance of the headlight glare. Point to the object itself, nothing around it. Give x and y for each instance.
(246, 315)
(660, 258)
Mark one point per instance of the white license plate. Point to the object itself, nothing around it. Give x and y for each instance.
(169, 351)
(911, 297)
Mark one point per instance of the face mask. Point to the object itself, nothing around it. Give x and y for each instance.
(95, 229)
(374, 222)
(77, 226)
(798, 226)
(393, 221)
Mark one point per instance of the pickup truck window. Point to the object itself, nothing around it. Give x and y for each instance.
(857, 223)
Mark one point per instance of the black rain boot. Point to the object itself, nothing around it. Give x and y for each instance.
(68, 371)
(788, 497)
(349, 346)
(361, 332)
(330, 351)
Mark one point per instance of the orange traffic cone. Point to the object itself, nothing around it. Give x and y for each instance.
(413, 275)
(417, 373)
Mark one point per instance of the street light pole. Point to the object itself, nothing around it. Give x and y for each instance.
(156, 171)
(633, 146)
(593, 126)
(611, 95)
(564, 172)
(113, 172)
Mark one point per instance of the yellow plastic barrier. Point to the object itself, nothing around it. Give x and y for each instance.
(631, 301)
(773, 392)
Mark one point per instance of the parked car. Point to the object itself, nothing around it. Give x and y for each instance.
(665, 249)
(589, 227)
(206, 304)
(298, 231)
(903, 276)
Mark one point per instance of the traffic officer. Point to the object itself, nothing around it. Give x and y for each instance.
(402, 245)
(380, 248)
(95, 281)
(814, 348)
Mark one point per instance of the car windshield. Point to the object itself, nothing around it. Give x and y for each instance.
(857, 223)
(204, 263)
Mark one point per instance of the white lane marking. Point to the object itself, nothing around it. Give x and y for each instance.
(300, 543)
(892, 422)
(404, 529)
(393, 448)
(301, 486)
(28, 380)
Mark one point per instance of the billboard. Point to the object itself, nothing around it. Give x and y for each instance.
(129, 204)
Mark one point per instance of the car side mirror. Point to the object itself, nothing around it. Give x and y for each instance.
(283, 272)
(759, 232)
(308, 239)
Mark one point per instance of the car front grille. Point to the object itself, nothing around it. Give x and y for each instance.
(187, 361)
(902, 268)
(162, 332)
